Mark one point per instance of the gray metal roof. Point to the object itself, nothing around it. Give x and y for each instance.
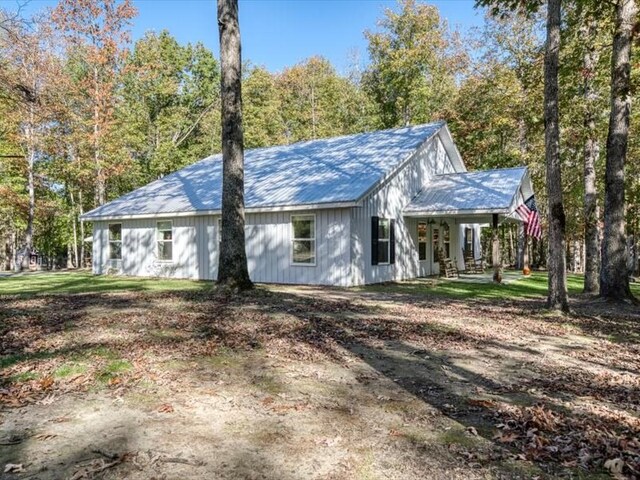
(488, 191)
(327, 171)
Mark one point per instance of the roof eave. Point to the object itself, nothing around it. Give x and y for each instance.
(88, 217)
(456, 212)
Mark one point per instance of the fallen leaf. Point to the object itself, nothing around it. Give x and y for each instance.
(506, 437)
(614, 465)
(165, 408)
(46, 382)
(13, 468)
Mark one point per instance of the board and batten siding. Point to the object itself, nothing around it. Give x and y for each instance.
(388, 200)
(195, 248)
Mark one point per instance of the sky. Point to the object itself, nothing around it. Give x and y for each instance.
(279, 33)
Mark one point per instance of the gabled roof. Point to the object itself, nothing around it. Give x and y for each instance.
(488, 191)
(327, 172)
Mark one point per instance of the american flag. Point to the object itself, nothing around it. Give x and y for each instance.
(528, 212)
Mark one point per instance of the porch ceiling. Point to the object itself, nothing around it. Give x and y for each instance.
(473, 194)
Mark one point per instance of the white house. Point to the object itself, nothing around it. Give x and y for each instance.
(345, 211)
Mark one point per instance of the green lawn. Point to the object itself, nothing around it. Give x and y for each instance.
(84, 282)
(530, 287)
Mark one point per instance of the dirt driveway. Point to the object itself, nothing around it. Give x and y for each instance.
(292, 383)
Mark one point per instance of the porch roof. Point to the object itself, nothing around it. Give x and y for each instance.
(484, 192)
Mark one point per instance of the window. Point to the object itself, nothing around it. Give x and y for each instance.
(164, 237)
(446, 241)
(115, 241)
(382, 241)
(435, 240)
(469, 242)
(303, 234)
(422, 241)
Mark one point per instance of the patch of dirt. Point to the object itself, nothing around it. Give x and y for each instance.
(302, 382)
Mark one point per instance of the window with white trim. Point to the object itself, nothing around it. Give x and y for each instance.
(164, 239)
(422, 241)
(446, 241)
(384, 243)
(303, 239)
(115, 241)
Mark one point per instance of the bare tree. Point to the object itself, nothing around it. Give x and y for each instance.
(558, 297)
(614, 275)
(232, 266)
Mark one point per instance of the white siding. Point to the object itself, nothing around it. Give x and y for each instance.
(268, 241)
(343, 237)
(388, 201)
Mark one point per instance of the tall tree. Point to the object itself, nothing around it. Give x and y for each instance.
(262, 110)
(168, 90)
(97, 30)
(558, 297)
(316, 102)
(591, 153)
(30, 75)
(614, 275)
(232, 266)
(414, 64)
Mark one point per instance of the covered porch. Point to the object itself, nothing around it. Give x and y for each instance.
(449, 214)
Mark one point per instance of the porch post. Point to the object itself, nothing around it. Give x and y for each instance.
(496, 258)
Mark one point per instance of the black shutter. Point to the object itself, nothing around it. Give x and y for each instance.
(374, 240)
(392, 241)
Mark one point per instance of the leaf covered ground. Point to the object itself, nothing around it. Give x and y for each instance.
(301, 382)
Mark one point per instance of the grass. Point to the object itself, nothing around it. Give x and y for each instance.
(113, 369)
(533, 286)
(69, 370)
(45, 283)
(32, 284)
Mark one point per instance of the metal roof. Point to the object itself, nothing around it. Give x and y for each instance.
(329, 171)
(488, 191)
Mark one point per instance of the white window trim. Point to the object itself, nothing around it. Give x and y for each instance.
(293, 239)
(158, 259)
(109, 241)
(388, 240)
(426, 242)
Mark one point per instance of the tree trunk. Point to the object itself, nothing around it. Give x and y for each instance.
(232, 267)
(557, 299)
(522, 247)
(28, 237)
(82, 234)
(74, 220)
(495, 250)
(100, 181)
(591, 152)
(24, 254)
(614, 275)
